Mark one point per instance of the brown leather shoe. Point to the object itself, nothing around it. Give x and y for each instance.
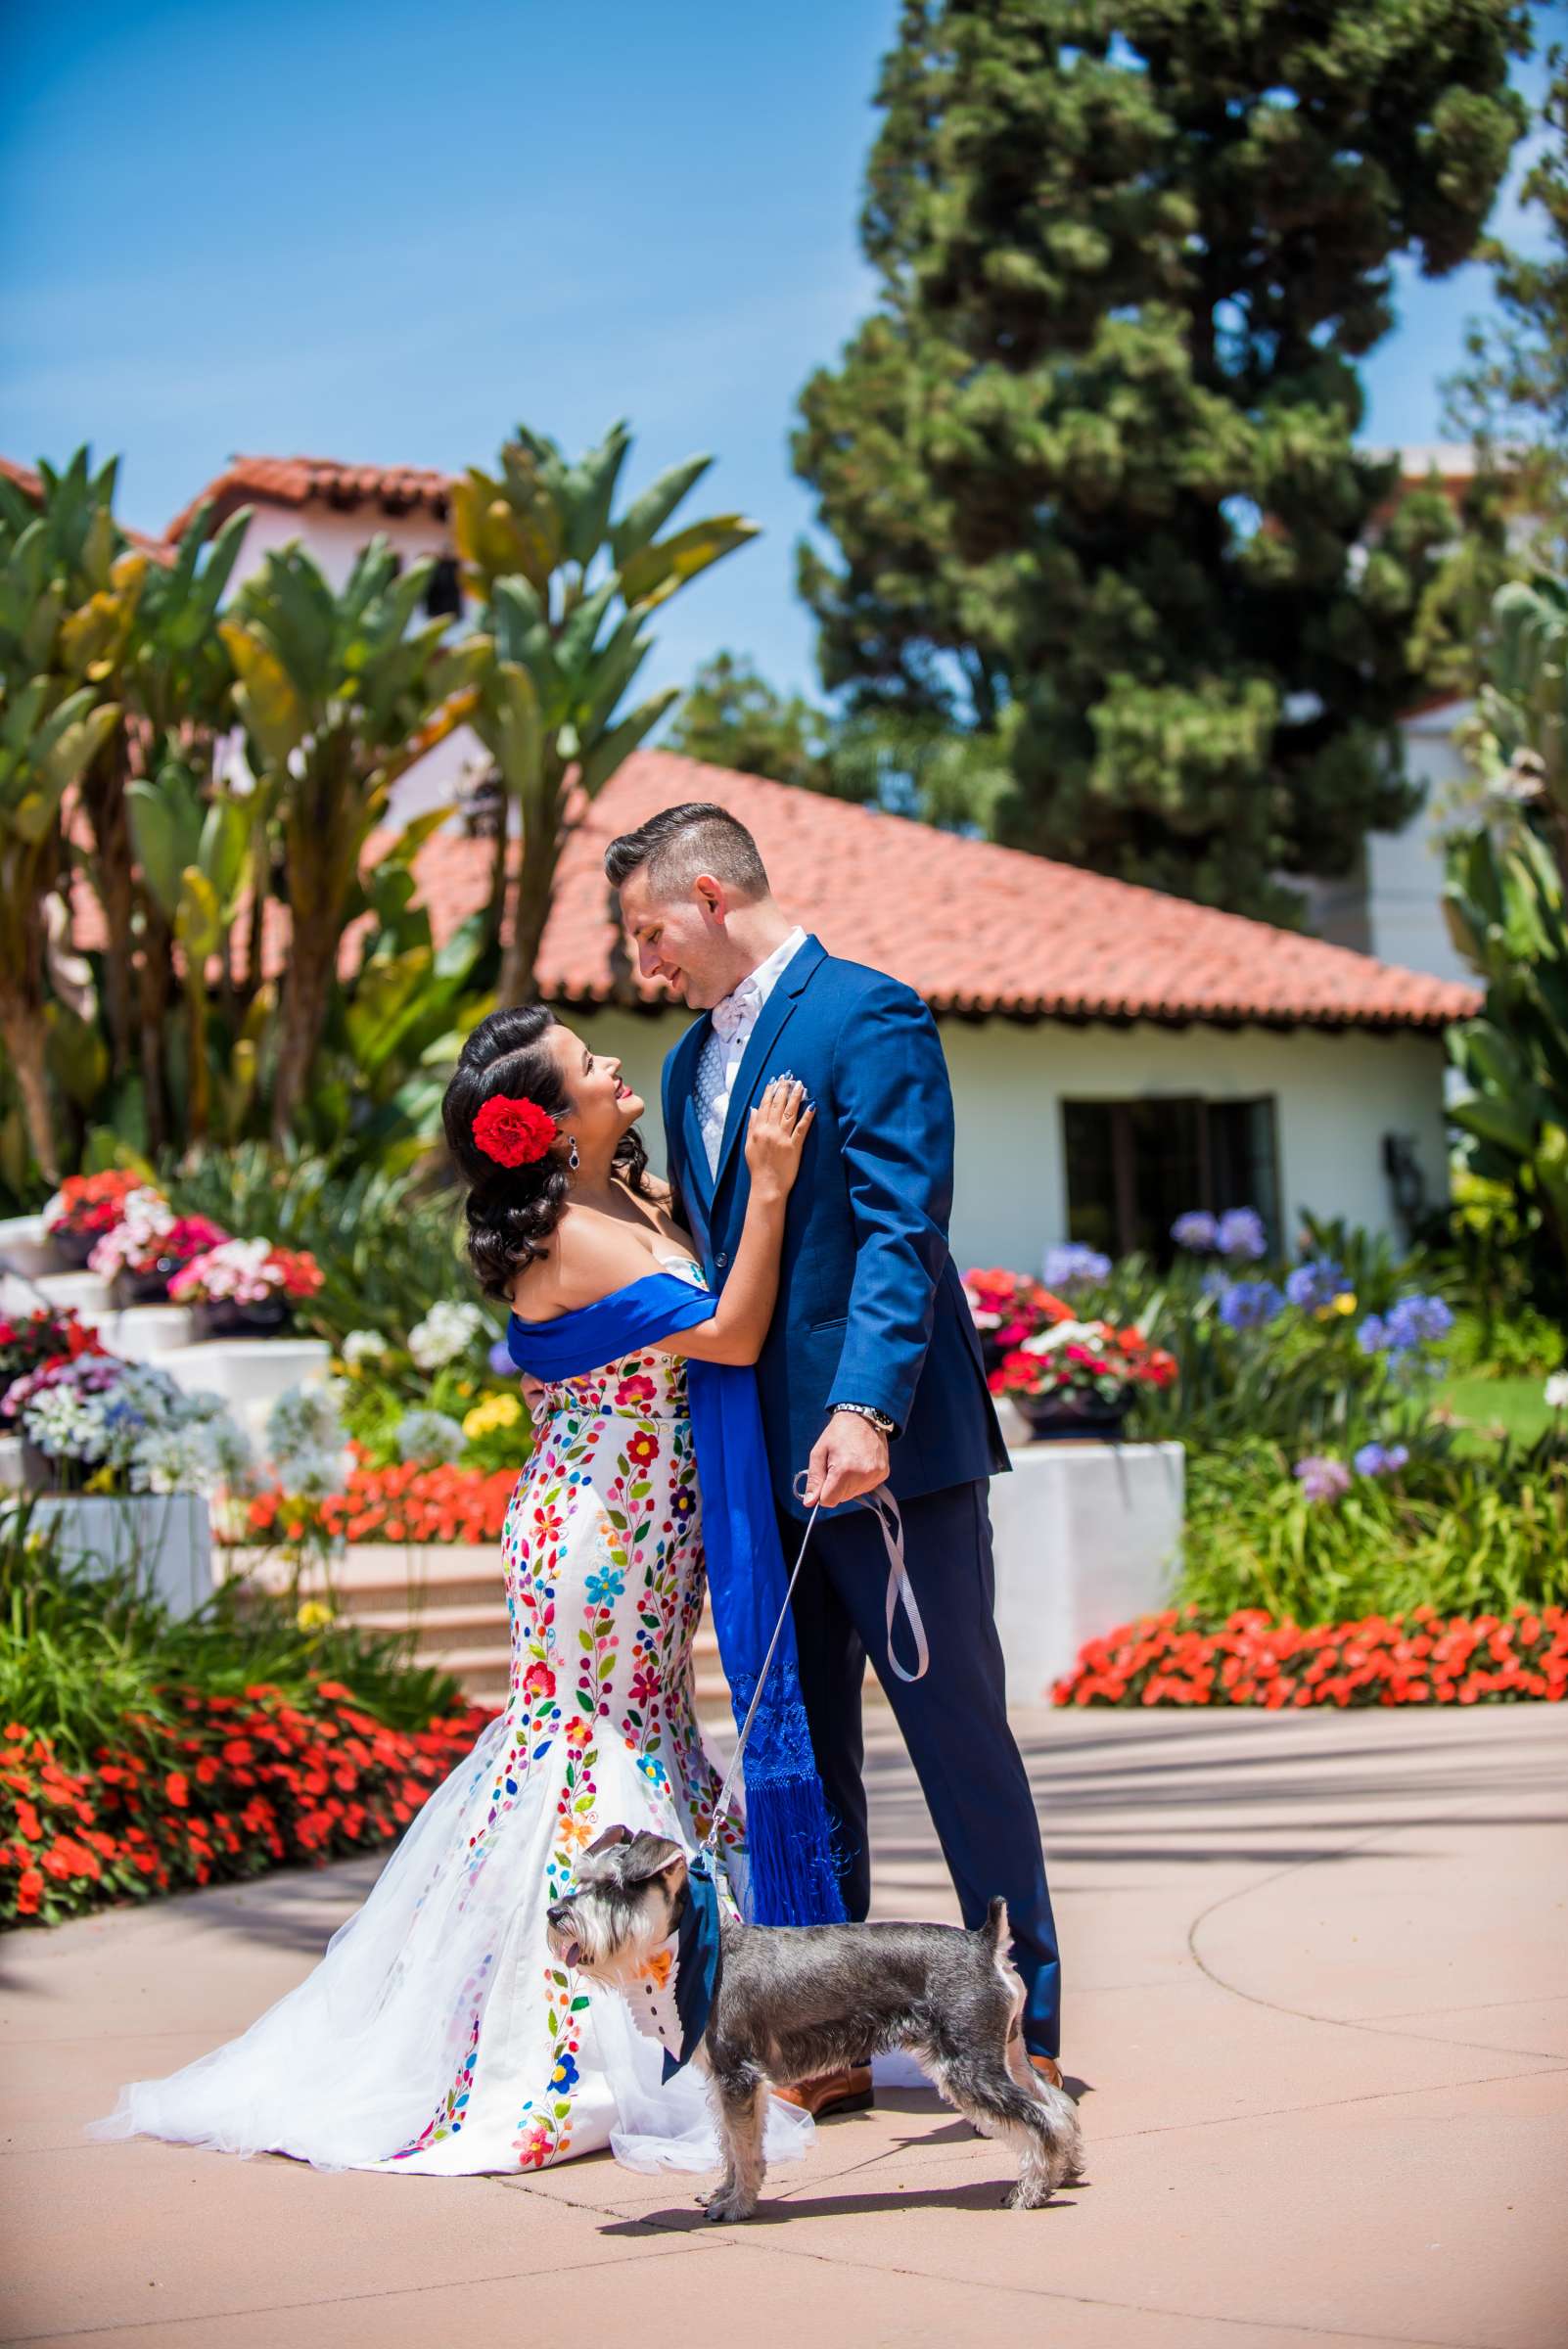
(1049, 2070)
(848, 2090)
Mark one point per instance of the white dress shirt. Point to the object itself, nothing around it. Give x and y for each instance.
(733, 1021)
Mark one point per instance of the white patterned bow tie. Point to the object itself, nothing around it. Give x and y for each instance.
(736, 1011)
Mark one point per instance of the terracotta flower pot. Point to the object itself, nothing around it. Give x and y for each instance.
(149, 1287)
(73, 1248)
(1071, 1411)
(42, 1473)
(227, 1318)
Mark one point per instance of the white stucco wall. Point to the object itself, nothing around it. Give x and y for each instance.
(334, 540)
(1336, 1097)
(1405, 869)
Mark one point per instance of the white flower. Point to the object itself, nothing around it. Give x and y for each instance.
(144, 1217)
(446, 1331)
(1062, 1333)
(363, 1345)
(429, 1437)
(1556, 1391)
(176, 1460)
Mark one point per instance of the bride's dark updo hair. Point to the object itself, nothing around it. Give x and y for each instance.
(512, 1211)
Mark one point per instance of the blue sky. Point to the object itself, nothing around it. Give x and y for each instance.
(386, 232)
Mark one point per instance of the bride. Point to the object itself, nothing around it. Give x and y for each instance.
(439, 2033)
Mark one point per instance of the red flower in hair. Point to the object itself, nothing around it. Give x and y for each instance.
(515, 1133)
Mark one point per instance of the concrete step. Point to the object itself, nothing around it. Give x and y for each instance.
(144, 1333)
(249, 1373)
(82, 1291)
(25, 1247)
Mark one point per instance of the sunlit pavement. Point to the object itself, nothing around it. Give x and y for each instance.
(1317, 2005)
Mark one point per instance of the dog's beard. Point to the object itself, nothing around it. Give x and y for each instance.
(610, 1935)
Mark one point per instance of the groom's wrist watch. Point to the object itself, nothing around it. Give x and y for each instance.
(865, 1410)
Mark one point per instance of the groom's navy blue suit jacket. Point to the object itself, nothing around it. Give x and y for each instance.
(870, 1305)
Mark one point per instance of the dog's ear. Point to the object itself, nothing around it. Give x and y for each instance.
(606, 1841)
(650, 1856)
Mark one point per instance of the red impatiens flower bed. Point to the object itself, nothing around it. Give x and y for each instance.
(402, 1504)
(235, 1786)
(1422, 1658)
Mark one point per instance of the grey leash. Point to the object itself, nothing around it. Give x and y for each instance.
(900, 1592)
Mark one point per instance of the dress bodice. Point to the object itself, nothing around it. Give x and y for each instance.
(650, 1385)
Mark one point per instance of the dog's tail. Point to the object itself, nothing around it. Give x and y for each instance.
(996, 1929)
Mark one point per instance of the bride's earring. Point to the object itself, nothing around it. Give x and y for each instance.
(572, 1160)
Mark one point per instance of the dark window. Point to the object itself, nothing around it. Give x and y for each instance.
(1132, 1166)
(444, 598)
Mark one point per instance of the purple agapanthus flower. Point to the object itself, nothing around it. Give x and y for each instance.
(500, 1359)
(1250, 1303)
(1380, 1460)
(1073, 1265)
(1197, 1231)
(1315, 1284)
(1323, 1479)
(1241, 1234)
(1416, 1321)
(1410, 1324)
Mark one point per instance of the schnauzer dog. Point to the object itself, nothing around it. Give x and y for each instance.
(791, 2003)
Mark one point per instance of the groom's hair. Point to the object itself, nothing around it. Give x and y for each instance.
(679, 843)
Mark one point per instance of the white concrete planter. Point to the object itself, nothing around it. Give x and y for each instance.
(166, 1538)
(1087, 1535)
(249, 1373)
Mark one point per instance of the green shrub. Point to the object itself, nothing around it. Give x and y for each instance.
(1460, 1534)
(80, 1650)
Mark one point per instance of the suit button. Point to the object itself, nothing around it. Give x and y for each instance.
(721, 1259)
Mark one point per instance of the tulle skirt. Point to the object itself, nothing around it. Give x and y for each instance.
(439, 2033)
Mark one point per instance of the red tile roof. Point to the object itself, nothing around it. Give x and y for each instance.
(974, 929)
(301, 481)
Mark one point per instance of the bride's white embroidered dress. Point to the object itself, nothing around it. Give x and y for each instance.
(439, 2033)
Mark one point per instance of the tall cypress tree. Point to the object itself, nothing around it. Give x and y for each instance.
(1090, 463)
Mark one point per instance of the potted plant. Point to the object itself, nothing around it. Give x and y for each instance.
(148, 1246)
(1079, 1378)
(245, 1288)
(93, 1423)
(1008, 1308)
(84, 1210)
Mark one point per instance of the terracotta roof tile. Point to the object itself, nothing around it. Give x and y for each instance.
(973, 928)
(301, 481)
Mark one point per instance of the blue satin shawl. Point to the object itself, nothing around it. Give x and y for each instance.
(788, 1837)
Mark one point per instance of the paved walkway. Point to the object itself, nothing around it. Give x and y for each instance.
(1318, 2007)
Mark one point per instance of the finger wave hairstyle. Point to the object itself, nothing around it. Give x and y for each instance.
(512, 1211)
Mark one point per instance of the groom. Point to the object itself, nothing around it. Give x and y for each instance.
(871, 1371)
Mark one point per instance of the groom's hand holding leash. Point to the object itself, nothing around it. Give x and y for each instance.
(849, 1457)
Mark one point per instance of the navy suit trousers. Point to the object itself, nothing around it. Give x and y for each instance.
(954, 1721)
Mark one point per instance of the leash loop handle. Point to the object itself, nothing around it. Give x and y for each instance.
(900, 1593)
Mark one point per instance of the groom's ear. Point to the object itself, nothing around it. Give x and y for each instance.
(608, 1840)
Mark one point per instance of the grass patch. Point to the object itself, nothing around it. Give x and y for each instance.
(1482, 1405)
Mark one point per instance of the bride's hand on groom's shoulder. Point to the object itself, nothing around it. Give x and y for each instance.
(776, 1134)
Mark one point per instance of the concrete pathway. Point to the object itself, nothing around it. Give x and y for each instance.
(1318, 2008)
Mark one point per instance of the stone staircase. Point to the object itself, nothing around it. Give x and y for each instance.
(450, 1598)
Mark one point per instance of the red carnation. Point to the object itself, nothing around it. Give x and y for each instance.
(515, 1133)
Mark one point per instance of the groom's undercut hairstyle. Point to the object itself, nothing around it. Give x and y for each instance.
(679, 843)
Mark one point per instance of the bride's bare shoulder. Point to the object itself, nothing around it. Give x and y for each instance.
(590, 1255)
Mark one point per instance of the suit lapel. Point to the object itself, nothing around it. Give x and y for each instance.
(776, 1014)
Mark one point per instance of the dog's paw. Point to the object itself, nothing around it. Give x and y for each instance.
(1030, 2195)
(723, 2209)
